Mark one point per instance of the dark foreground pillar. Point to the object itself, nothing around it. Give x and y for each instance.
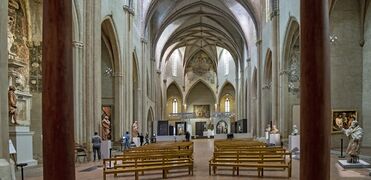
(57, 95)
(315, 96)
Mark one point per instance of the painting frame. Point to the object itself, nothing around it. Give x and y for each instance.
(341, 117)
(202, 111)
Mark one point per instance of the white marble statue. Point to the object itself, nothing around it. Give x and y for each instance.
(274, 130)
(295, 130)
(355, 134)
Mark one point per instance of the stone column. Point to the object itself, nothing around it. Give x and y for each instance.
(4, 123)
(275, 61)
(258, 89)
(315, 91)
(57, 97)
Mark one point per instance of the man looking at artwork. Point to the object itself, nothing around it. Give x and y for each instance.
(96, 141)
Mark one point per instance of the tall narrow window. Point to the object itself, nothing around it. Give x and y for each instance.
(227, 105)
(174, 63)
(175, 106)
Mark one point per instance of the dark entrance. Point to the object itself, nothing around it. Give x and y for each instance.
(200, 127)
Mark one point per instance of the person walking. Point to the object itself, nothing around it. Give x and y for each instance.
(96, 141)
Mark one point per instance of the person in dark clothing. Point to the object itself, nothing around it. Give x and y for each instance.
(187, 136)
(96, 141)
(141, 137)
(147, 139)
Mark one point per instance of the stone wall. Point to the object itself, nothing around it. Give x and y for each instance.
(346, 60)
(366, 97)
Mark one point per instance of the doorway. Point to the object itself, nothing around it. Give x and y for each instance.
(200, 127)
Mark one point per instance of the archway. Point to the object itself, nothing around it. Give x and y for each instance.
(109, 66)
(200, 100)
(150, 120)
(135, 94)
(291, 80)
(267, 91)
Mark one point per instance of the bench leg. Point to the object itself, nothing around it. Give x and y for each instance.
(289, 172)
(136, 175)
(214, 169)
(238, 171)
(209, 170)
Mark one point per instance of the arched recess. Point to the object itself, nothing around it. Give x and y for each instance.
(110, 65)
(227, 92)
(196, 83)
(291, 80)
(267, 91)
(174, 100)
(135, 92)
(254, 108)
(150, 120)
(200, 94)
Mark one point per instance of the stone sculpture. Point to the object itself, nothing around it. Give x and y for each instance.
(355, 134)
(12, 102)
(106, 128)
(135, 131)
(295, 130)
(274, 130)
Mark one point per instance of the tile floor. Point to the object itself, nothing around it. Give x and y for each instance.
(202, 153)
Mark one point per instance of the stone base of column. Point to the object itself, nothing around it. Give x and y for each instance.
(6, 171)
(21, 137)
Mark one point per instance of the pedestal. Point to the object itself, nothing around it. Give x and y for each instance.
(275, 139)
(360, 164)
(105, 149)
(5, 173)
(21, 137)
(136, 141)
(294, 142)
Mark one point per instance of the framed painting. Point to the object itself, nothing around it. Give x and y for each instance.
(342, 119)
(202, 111)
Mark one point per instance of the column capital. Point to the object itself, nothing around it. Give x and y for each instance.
(78, 44)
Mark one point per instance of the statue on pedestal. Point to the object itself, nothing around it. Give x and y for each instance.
(295, 130)
(135, 131)
(12, 102)
(355, 134)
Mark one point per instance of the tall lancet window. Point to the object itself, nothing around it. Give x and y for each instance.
(227, 105)
(175, 105)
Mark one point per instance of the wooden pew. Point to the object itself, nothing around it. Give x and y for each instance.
(149, 159)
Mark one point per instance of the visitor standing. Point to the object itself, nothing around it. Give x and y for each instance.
(187, 136)
(141, 138)
(127, 140)
(147, 139)
(96, 141)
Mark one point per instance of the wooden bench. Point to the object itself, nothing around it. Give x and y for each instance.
(148, 161)
(252, 158)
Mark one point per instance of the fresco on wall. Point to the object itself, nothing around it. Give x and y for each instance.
(201, 66)
(202, 111)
